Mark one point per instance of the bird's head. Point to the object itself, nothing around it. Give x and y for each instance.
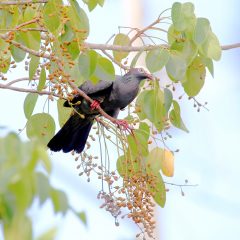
(140, 73)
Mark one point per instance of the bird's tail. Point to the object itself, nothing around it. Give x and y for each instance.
(72, 136)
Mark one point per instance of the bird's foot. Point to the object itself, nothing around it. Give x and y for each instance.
(123, 124)
(95, 105)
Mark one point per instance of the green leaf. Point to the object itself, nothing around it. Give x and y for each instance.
(195, 77)
(104, 70)
(156, 59)
(202, 30)
(22, 185)
(174, 35)
(211, 47)
(177, 17)
(175, 117)
(63, 113)
(43, 187)
(121, 40)
(17, 53)
(59, 200)
(40, 126)
(73, 49)
(82, 216)
(29, 104)
(127, 166)
(188, 10)
(209, 64)
(154, 159)
(181, 14)
(138, 143)
(31, 39)
(135, 59)
(157, 188)
(51, 15)
(68, 34)
(87, 63)
(50, 234)
(42, 79)
(101, 2)
(139, 105)
(21, 228)
(153, 107)
(33, 65)
(168, 98)
(79, 20)
(42, 154)
(92, 4)
(176, 67)
(187, 50)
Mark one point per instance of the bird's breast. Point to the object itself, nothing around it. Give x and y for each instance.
(123, 96)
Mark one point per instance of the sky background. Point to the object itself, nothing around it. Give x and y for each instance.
(209, 154)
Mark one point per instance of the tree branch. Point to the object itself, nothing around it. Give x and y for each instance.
(230, 46)
(18, 80)
(140, 32)
(119, 48)
(24, 48)
(22, 2)
(18, 89)
(116, 62)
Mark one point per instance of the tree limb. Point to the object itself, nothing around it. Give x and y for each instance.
(119, 48)
(23, 2)
(116, 62)
(18, 89)
(230, 46)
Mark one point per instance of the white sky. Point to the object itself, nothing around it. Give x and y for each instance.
(209, 155)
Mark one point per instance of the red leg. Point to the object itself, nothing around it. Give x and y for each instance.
(123, 124)
(95, 105)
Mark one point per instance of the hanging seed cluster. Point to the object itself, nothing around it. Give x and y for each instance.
(129, 196)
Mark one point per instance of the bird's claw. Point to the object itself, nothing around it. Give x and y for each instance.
(123, 124)
(95, 105)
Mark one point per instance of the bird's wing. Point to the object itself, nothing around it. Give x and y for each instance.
(89, 88)
(95, 91)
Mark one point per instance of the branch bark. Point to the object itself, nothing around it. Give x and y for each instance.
(18, 89)
(22, 2)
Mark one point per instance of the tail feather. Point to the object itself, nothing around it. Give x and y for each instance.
(72, 136)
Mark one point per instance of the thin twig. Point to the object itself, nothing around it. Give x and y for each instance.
(116, 62)
(19, 80)
(181, 185)
(18, 89)
(119, 48)
(27, 23)
(22, 2)
(24, 48)
(230, 46)
(140, 32)
(23, 30)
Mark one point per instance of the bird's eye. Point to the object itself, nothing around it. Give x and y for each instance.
(141, 70)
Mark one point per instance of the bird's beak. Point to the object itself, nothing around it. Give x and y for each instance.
(150, 76)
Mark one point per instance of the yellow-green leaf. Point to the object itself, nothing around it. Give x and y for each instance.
(195, 77)
(41, 126)
(176, 67)
(42, 79)
(51, 15)
(33, 65)
(175, 117)
(29, 104)
(121, 40)
(63, 112)
(202, 29)
(157, 59)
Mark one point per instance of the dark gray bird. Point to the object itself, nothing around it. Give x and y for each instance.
(112, 96)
